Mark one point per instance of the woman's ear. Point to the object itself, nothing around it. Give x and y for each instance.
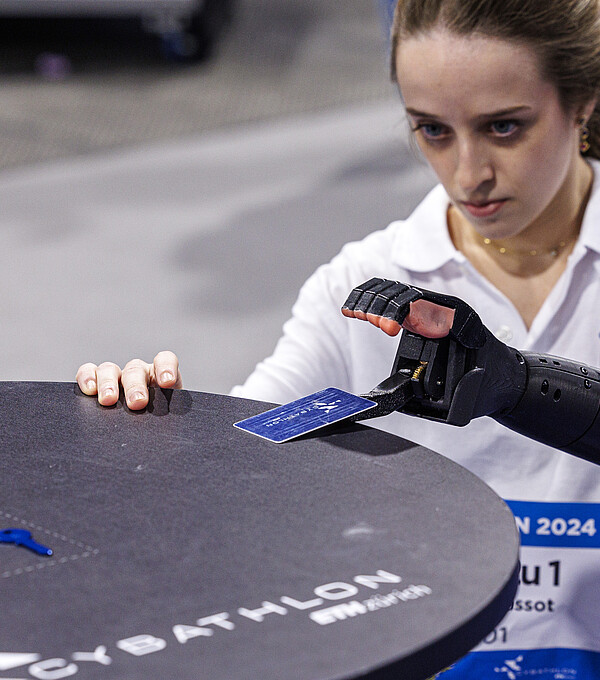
(585, 112)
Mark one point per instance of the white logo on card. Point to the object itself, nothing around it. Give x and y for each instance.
(327, 407)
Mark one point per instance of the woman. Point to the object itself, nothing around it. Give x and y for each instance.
(501, 96)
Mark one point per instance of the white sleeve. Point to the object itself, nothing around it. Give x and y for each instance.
(311, 354)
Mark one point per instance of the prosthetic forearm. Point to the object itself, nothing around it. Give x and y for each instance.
(560, 405)
(469, 373)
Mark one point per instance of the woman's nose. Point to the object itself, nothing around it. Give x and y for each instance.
(473, 168)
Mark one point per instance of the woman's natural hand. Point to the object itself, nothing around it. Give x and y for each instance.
(135, 377)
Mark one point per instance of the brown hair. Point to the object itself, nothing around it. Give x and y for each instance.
(565, 34)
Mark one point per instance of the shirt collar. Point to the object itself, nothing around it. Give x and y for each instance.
(422, 242)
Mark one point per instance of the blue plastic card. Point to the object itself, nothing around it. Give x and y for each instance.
(305, 415)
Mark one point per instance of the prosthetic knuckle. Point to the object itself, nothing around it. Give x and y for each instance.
(354, 299)
(373, 296)
(399, 301)
(383, 300)
(382, 297)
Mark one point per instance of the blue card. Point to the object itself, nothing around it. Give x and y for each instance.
(305, 415)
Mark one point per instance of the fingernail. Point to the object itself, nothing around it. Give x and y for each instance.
(167, 376)
(136, 396)
(90, 385)
(108, 391)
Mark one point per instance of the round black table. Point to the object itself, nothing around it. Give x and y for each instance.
(185, 548)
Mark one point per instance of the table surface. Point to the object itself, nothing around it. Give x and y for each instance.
(186, 548)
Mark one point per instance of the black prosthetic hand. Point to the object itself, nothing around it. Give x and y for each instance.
(469, 373)
(452, 379)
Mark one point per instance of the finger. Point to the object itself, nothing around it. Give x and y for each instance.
(166, 370)
(86, 379)
(354, 314)
(428, 319)
(107, 380)
(135, 378)
(390, 326)
(424, 318)
(375, 319)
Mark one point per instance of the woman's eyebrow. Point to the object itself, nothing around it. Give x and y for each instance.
(505, 112)
(483, 116)
(421, 114)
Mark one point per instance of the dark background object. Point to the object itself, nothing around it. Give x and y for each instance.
(276, 58)
(187, 29)
(163, 518)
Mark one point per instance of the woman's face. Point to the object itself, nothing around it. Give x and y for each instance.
(491, 127)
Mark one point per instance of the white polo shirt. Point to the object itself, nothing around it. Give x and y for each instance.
(555, 622)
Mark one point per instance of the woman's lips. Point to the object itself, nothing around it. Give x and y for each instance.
(484, 209)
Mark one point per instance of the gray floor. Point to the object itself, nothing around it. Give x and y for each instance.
(146, 206)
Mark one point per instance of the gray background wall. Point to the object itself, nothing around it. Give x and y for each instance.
(147, 205)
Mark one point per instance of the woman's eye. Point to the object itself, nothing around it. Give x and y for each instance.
(432, 130)
(504, 128)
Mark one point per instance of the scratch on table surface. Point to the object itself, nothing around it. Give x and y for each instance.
(362, 529)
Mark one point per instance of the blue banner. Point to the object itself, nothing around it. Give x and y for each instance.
(541, 664)
(561, 525)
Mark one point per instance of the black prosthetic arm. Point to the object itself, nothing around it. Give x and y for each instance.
(470, 373)
(560, 406)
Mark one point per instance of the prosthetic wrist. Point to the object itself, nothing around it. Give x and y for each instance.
(560, 405)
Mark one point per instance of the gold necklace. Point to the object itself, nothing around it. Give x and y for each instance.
(455, 229)
(503, 250)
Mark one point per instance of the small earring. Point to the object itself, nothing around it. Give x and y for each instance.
(584, 144)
